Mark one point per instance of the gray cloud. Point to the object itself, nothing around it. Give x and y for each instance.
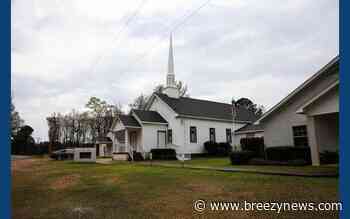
(65, 51)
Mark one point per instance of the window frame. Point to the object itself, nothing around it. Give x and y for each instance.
(300, 134)
(170, 136)
(210, 134)
(229, 135)
(194, 139)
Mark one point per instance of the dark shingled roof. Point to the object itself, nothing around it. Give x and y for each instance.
(250, 128)
(128, 120)
(103, 139)
(203, 108)
(149, 116)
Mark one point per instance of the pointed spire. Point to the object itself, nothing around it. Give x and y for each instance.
(171, 90)
(171, 57)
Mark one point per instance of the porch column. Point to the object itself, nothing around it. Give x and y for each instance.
(126, 141)
(313, 143)
(115, 142)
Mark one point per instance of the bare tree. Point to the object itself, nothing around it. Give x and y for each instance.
(16, 121)
(102, 115)
(139, 102)
(76, 128)
(54, 129)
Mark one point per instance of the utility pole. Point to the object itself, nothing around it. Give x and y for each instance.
(234, 113)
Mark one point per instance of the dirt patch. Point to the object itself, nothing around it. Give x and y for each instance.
(65, 182)
(206, 188)
(22, 165)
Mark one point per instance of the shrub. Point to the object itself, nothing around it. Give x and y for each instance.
(224, 148)
(138, 156)
(254, 144)
(210, 147)
(288, 153)
(217, 149)
(241, 157)
(163, 154)
(329, 157)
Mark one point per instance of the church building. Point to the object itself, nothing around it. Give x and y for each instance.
(172, 121)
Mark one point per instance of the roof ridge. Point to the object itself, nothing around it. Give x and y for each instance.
(144, 110)
(212, 101)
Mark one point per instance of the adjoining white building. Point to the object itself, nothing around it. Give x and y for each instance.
(181, 123)
(309, 116)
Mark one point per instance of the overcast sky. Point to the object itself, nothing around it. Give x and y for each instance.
(64, 51)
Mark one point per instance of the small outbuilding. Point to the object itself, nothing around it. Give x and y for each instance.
(85, 154)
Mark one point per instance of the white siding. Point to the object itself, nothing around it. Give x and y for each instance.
(118, 126)
(181, 129)
(149, 135)
(170, 116)
(328, 103)
(278, 126)
(203, 127)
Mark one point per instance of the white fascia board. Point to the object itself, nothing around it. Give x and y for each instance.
(301, 110)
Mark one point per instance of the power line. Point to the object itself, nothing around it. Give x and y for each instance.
(121, 29)
(194, 12)
(175, 27)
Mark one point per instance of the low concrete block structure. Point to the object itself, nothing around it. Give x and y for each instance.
(120, 156)
(85, 154)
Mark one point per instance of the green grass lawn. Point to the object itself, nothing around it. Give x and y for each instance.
(61, 189)
(224, 162)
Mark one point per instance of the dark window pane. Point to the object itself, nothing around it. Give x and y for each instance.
(300, 136)
(170, 136)
(193, 134)
(212, 134)
(228, 135)
(85, 155)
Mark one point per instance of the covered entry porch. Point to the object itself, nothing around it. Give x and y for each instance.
(323, 135)
(322, 114)
(128, 140)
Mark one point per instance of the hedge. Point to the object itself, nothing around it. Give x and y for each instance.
(217, 149)
(254, 144)
(163, 154)
(329, 157)
(288, 153)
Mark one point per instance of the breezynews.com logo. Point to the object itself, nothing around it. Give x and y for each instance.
(278, 207)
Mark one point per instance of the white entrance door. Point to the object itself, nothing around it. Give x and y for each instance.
(102, 150)
(161, 139)
(133, 141)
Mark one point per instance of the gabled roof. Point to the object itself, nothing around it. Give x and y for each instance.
(250, 128)
(333, 63)
(301, 110)
(190, 107)
(129, 120)
(149, 116)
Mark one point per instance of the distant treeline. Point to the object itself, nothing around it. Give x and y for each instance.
(43, 147)
(80, 128)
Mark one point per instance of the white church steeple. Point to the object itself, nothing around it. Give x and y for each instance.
(171, 89)
(171, 57)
